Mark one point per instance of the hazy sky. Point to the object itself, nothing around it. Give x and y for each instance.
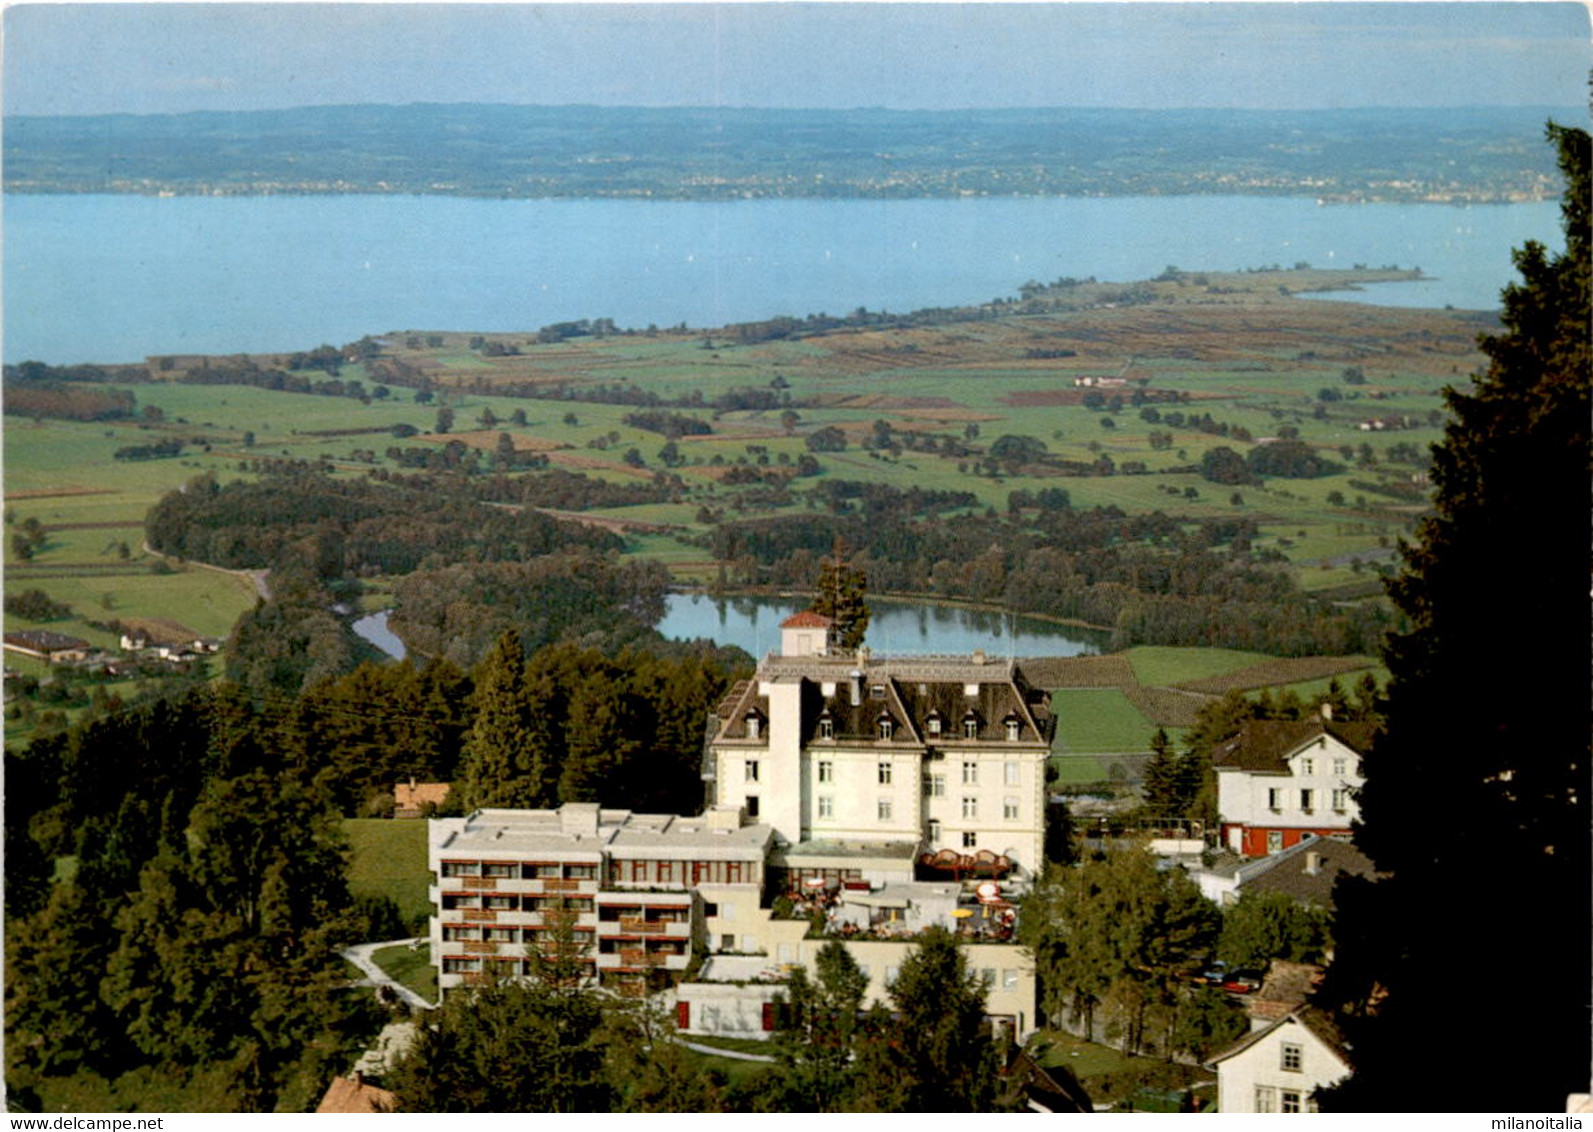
(147, 58)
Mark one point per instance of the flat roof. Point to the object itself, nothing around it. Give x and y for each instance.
(622, 833)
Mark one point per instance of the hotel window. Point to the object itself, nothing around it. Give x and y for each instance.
(970, 807)
(501, 935)
(751, 770)
(453, 966)
(1306, 799)
(937, 786)
(970, 839)
(499, 869)
(1341, 767)
(581, 872)
(1291, 1057)
(970, 726)
(752, 805)
(886, 726)
(934, 830)
(1274, 799)
(883, 808)
(1341, 801)
(987, 975)
(1274, 841)
(826, 770)
(461, 868)
(454, 933)
(876, 692)
(1012, 774)
(1307, 768)
(826, 806)
(970, 774)
(1009, 978)
(1013, 727)
(1289, 1100)
(884, 774)
(826, 727)
(932, 723)
(1266, 1098)
(666, 871)
(1009, 809)
(502, 903)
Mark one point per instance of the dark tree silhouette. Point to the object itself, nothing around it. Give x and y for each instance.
(1476, 796)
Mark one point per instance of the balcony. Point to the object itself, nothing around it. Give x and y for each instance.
(479, 883)
(642, 961)
(480, 947)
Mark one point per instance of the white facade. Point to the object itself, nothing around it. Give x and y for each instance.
(941, 753)
(1278, 781)
(620, 887)
(1279, 1067)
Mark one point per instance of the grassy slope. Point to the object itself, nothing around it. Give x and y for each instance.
(390, 860)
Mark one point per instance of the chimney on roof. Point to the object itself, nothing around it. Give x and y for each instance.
(1313, 863)
(1327, 712)
(857, 688)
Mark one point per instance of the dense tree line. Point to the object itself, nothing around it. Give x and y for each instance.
(347, 527)
(199, 928)
(672, 425)
(623, 728)
(1152, 579)
(553, 488)
(64, 402)
(457, 612)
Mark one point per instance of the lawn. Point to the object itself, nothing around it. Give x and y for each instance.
(1098, 719)
(410, 966)
(1159, 665)
(390, 860)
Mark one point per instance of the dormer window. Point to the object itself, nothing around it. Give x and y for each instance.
(887, 726)
(754, 725)
(826, 725)
(970, 726)
(1014, 726)
(932, 723)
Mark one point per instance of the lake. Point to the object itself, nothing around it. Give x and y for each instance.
(894, 628)
(753, 623)
(117, 278)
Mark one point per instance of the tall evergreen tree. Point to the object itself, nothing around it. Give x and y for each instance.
(841, 592)
(1476, 795)
(497, 746)
(948, 1053)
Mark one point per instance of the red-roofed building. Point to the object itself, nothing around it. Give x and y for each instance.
(807, 634)
(354, 1095)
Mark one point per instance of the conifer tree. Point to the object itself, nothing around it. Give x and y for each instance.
(496, 747)
(841, 591)
(1476, 795)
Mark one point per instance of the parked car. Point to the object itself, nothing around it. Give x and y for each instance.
(1242, 982)
(1214, 974)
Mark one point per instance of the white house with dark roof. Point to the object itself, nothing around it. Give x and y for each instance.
(1283, 781)
(1279, 1065)
(869, 768)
